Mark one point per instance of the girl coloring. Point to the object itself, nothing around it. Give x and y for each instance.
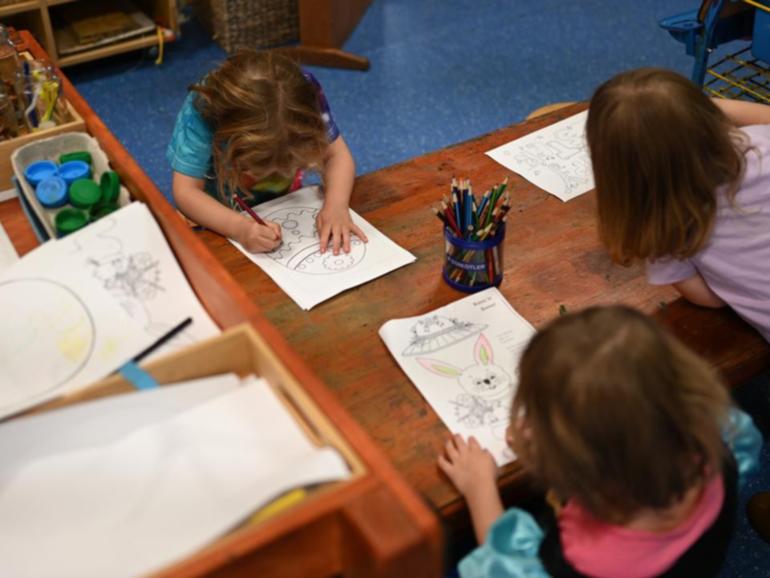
(681, 186)
(250, 128)
(624, 425)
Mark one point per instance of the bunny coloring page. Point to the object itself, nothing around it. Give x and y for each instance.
(463, 359)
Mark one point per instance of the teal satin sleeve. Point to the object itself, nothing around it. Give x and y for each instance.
(510, 551)
(745, 442)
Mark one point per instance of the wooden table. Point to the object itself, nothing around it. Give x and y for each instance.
(376, 526)
(552, 258)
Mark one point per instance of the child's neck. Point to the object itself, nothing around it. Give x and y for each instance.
(650, 520)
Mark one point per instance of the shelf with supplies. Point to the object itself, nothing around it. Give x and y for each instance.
(76, 31)
(370, 525)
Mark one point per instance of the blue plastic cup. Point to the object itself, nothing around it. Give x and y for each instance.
(472, 266)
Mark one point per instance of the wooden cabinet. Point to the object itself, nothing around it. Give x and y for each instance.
(47, 21)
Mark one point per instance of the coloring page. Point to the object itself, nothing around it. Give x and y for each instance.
(8, 254)
(554, 158)
(297, 265)
(127, 254)
(463, 359)
(63, 331)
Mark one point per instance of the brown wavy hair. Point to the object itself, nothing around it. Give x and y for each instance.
(265, 116)
(660, 149)
(618, 414)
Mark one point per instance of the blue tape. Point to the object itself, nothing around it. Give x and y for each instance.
(138, 377)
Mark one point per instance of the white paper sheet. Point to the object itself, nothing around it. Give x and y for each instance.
(61, 332)
(554, 158)
(127, 254)
(463, 359)
(75, 503)
(298, 267)
(8, 254)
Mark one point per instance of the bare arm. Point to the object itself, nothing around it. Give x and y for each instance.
(743, 113)
(474, 474)
(193, 201)
(334, 220)
(696, 291)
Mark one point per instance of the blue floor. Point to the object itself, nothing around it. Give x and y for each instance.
(442, 71)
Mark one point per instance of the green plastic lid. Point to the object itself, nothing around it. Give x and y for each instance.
(84, 193)
(102, 209)
(110, 185)
(69, 220)
(84, 156)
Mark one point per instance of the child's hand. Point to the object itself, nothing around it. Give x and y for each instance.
(471, 468)
(256, 238)
(335, 221)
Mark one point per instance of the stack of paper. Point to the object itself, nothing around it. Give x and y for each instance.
(129, 484)
(463, 358)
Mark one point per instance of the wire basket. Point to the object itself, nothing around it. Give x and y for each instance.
(739, 76)
(236, 24)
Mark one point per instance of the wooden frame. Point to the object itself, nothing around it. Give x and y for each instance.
(386, 529)
(324, 25)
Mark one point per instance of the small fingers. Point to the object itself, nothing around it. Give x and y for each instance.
(324, 236)
(336, 239)
(451, 450)
(346, 240)
(358, 233)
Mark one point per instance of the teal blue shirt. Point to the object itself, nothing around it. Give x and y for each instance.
(190, 150)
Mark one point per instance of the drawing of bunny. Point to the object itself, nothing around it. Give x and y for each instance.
(487, 388)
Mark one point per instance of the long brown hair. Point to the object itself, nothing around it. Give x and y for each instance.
(619, 415)
(660, 149)
(265, 116)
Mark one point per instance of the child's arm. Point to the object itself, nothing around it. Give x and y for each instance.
(334, 219)
(474, 473)
(695, 290)
(743, 113)
(191, 199)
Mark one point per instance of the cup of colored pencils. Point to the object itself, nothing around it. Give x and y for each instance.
(474, 230)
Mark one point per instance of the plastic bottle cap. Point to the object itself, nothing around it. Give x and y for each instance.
(39, 170)
(84, 193)
(110, 185)
(84, 156)
(69, 220)
(71, 171)
(102, 209)
(52, 192)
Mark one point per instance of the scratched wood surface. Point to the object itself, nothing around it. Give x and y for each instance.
(552, 258)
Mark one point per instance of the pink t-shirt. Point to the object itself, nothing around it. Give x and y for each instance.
(602, 550)
(735, 262)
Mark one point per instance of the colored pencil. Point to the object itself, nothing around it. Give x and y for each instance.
(242, 204)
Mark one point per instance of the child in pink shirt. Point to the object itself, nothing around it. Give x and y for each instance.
(633, 435)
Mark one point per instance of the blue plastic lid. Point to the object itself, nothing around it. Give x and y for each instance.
(39, 170)
(52, 192)
(74, 170)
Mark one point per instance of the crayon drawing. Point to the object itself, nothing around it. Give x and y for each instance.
(555, 158)
(52, 325)
(301, 247)
(436, 332)
(301, 270)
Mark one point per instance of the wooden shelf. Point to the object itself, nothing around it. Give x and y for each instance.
(146, 41)
(18, 8)
(38, 16)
